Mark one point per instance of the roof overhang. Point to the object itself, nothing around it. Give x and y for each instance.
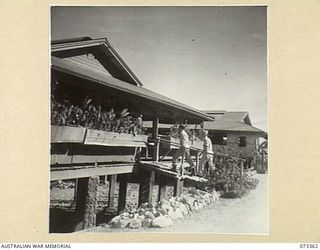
(142, 93)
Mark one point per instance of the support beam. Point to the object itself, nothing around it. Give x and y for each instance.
(162, 187)
(241, 170)
(112, 188)
(178, 187)
(155, 130)
(86, 202)
(90, 215)
(151, 185)
(81, 194)
(122, 193)
(197, 162)
(72, 172)
(182, 164)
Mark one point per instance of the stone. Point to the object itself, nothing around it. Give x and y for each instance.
(121, 223)
(149, 215)
(141, 217)
(134, 224)
(183, 209)
(178, 213)
(194, 192)
(157, 214)
(200, 206)
(161, 221)
(115, 219)
(162, 211)
(125, 215)
(146, 223)
(172, 215)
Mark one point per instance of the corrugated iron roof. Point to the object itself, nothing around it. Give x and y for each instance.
(231, 126)
(103, 79)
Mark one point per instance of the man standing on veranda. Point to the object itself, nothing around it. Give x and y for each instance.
(184, 149)
(207, 155)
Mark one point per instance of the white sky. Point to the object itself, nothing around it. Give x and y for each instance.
(205, 57)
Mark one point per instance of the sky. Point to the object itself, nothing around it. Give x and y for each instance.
(210, 58)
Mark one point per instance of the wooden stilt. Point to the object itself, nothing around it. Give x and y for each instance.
(178, 187)
(155, 139)
(197, 162)
(122, 193)
(91, 203)
(162, 187)
(241, 170)
(112, 188)
(151, 185)
(86, 202)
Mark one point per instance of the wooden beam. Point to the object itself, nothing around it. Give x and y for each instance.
(91, 203)
(162, 187)
(155, 138)
(151, 185)
(112, 188)
(178, 187)
(241, 170)
(87, 171)
(197, 162)
(122, 193)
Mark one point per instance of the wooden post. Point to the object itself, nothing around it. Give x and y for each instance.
(182, 164)
(262, 160)
(197, 162)
(86, 202)
(241, 169)
(81, 194)
(122, 193)
(178, 187)
(112, 187)
(155, 139)
(162, 187)
(91, 203)
(151, 185)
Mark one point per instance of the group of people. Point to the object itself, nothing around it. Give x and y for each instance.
(184, 151)
(91, 116)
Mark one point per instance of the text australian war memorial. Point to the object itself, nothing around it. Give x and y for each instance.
(123, 156)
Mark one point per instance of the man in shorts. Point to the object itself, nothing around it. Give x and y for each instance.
(184, 149)
(207, 155)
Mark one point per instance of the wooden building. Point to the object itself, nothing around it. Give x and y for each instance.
(86, 70)
(233, 132)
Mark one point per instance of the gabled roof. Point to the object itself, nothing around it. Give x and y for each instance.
(231, 116)
(237, 121)
(101, 50)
